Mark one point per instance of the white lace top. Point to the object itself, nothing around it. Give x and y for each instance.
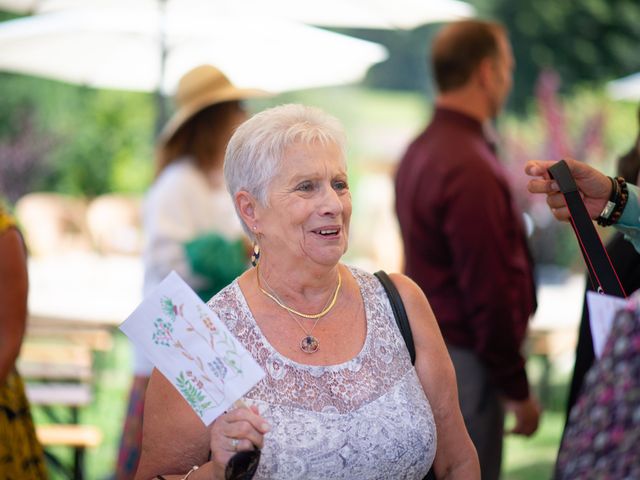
(367, 418)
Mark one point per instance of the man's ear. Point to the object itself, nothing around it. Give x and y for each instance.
(485, 72)
(246, 205)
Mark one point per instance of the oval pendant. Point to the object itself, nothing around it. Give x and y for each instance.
(309, 344)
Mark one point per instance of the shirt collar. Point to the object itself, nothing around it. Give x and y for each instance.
(461, 119)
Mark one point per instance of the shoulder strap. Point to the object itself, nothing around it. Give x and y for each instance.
(399, 312)
(601, 272)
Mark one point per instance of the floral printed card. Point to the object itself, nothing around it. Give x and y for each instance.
(192, 348)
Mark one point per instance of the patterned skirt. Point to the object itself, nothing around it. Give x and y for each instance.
(21, 456)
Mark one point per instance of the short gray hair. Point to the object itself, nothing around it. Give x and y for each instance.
(255, 151)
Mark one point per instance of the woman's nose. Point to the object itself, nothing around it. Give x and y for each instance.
(331, 204)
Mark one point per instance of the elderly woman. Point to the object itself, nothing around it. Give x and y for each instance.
(341, 399)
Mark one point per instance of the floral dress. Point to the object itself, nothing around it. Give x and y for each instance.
(365, 419)
(602, 438)
(21, 456)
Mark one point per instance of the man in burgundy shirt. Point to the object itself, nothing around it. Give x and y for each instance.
(464, 239)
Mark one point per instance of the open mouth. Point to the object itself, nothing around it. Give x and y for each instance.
(327, 232)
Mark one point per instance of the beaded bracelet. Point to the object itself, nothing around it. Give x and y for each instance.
(615, 206)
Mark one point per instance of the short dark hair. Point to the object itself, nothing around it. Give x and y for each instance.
(458, 49)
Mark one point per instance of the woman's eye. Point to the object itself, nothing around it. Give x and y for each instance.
(305, 187)
(340, 185)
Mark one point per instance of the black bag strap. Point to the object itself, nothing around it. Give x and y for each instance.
(399, 312)
(602, 275)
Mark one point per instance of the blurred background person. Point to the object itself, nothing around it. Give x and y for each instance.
(21, 455)
(626, 261)
(189, 220)
(601, 436)
(464, 239)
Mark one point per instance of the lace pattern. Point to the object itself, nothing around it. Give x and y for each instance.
(367, 418)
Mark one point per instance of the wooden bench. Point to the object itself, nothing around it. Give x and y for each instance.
(78, 437)
(72, 395)
(96, 338)
(58, 378)
(45, 361)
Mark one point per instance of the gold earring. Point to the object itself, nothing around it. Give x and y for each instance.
(255, 256)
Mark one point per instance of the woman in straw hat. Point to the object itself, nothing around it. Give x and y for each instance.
(341, 398)
(189, 220)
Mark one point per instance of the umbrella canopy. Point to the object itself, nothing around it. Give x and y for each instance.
(625, 88)
(333, 13)
(143, 49)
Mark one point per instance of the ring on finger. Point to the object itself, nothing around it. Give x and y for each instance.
(234, 444)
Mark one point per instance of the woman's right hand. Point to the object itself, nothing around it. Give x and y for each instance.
(236, 430)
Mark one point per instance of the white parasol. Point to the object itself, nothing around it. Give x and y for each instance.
(119, 48)
(376, 14)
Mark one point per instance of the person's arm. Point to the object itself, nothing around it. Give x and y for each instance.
(595, 188)
(456, 457)
(13, 298)
(175, 439)
(629, 222)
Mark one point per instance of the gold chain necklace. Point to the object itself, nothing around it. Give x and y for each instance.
(309, 343)
(311, 316)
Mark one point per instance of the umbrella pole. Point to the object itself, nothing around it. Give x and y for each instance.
(160, 100)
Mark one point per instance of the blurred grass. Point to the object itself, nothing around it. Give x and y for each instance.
(524, 458)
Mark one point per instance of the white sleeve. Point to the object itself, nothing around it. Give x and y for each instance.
(169, 223)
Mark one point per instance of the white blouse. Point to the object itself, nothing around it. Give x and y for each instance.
(180, 206)
(367, 418)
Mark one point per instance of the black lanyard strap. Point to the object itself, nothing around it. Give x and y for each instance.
(601, 272)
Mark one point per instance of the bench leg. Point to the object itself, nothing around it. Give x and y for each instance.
(78, 463)
(56, 463)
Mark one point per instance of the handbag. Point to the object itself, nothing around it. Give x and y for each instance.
(400, 314)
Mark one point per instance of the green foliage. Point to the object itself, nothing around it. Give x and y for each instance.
(104, 146)
(590, 41)
(24, 139)
(74, 140)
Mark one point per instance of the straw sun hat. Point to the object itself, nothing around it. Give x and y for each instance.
(199, 88)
